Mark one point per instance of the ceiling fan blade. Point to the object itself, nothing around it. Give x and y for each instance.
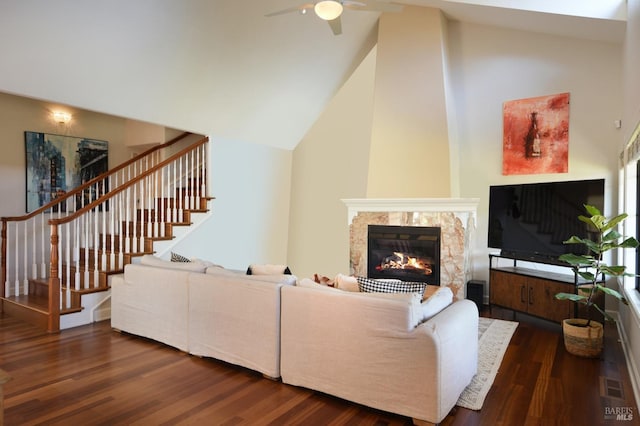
(373, 5)
(302, 8)
(336, 26)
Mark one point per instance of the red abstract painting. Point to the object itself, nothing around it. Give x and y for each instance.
(536, 135)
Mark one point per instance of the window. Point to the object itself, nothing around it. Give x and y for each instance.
(634, 217)
(629, 202)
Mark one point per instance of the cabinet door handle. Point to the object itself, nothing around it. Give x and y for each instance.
(522, 294)
(531, 295)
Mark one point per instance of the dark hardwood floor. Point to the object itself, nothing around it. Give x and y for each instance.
(92, 375)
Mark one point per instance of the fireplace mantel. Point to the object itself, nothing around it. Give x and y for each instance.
(455, 216)
(455, 205)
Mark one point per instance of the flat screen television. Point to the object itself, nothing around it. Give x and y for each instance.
(531, 221)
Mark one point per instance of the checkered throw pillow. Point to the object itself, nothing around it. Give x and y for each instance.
(389, 286)
(175, 257)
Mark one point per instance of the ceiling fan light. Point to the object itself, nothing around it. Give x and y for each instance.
(328, 9)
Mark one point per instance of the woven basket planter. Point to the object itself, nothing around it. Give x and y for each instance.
(582, 340)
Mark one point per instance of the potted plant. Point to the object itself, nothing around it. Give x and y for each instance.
(584, 336)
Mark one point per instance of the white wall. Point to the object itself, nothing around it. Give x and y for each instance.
(330, 164)
(630, 78)
(491, 66)
(213, 67)
(409, 155)
(251, 182)
(488, 66)
(250, 219)
(19, 114)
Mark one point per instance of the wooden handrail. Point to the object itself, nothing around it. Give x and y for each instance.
(53, 323)
(59, 229)
(87, 184)
(129, 184)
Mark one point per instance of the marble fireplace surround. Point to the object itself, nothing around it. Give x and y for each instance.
(456, 218)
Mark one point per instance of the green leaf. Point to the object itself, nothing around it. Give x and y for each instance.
(574, 240)
(592, 210)
(597, 221)
(611, 292)
(616, 270)
(606, 316)
(587, 275)
(629, 243)
(570, 296)
(611, 236)
(576, 259)
(612, 223)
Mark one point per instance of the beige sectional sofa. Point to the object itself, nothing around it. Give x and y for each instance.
(392, 352)
(203, 310)
(378, 349)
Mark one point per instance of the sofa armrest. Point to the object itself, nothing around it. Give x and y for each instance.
(152, 302)
(356, 348)
(455, 333)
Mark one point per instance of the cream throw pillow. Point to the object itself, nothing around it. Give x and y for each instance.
(347, 283)
(439, 300)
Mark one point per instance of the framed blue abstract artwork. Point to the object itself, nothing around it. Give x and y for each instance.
(57, 164)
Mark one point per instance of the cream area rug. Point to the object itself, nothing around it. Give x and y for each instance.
(494, 336)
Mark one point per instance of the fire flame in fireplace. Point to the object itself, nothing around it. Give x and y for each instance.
(400, 260)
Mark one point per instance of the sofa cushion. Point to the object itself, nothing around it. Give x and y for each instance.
(219, 270)
(283, 279)
(389, 286)
(411, 300)
(419, 310)
(254, 269)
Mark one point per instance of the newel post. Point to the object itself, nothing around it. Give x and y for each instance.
(53, 323)
(3, 261)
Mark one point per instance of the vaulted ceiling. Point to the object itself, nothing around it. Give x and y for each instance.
(220, 67)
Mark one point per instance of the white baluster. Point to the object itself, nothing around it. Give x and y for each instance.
(120, 217)
(127, 238)
(25, 262)
(162, 208)
(76, 253)
(96, 245)
(181, 192)
(43, 266)
(151, 207)
(205, 166)
(191, 181)
(140, 208)
(17, 283)
(7, 281)
(34, 258)
(68, 262)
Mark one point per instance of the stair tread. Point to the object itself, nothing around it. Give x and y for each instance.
(38, 303)
(45, 281)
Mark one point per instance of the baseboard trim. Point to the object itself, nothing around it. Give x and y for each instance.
(102, 314)
(632, 367)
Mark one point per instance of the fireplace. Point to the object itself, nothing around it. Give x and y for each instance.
(408, 253)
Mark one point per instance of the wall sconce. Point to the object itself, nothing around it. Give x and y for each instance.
(61, 117)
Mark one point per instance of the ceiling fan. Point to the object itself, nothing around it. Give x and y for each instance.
(331, 10)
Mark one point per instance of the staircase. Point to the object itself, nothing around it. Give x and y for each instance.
(57, 257)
